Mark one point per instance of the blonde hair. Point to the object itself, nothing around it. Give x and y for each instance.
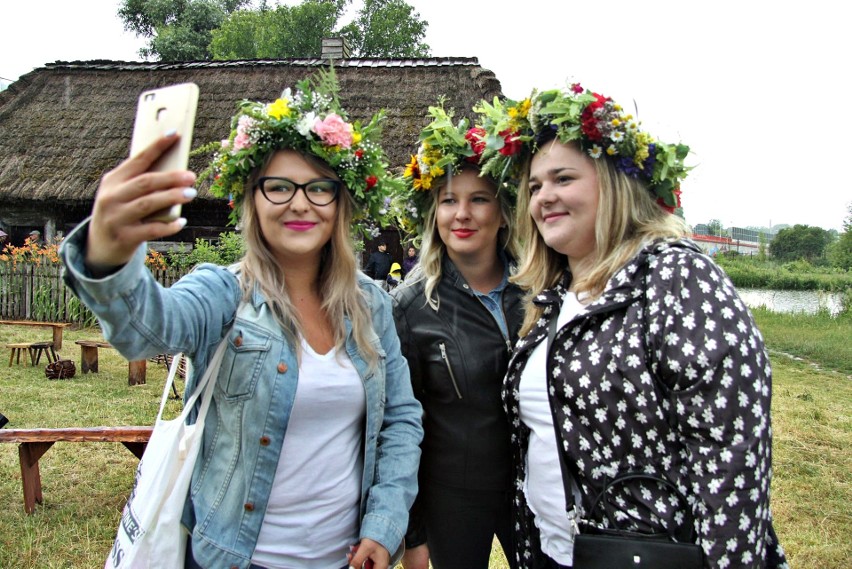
(432, 249)
(341, 295)
(628, 216)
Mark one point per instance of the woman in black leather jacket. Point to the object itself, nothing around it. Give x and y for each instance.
(458, 318)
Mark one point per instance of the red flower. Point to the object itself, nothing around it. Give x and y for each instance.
(590, 122)
(667, 207)
(359, 153)
(511, 143)
(371, 181)
(476, 138)
(577, 88)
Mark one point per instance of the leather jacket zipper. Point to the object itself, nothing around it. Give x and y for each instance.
(450, 368)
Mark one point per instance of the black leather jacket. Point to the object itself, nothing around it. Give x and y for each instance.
(458, 358)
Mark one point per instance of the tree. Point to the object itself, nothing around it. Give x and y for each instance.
(286, 31)
(799, 242)
(714, 227)
(387, 28)
(840, 253)
(178, 30)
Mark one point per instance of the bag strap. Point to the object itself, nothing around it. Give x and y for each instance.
(211, 370)
(570, 499)
(687, 528)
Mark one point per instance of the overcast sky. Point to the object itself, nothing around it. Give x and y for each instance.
(759, 90)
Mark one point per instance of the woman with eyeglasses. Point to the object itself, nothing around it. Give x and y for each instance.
(312, 383)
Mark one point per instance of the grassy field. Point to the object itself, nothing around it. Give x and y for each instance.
(85, 484)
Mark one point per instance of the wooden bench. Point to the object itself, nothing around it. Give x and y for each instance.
(34, 350)
(89, 354)
(46, 348)
(17, 349)
(136, 370)
(33, 443)
(57, 327)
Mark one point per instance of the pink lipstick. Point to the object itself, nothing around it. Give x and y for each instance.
(299, 225)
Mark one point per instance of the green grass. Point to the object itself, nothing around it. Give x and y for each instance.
(85, 484)
(817, 337)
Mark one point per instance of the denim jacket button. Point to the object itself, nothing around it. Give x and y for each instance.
(238, 341)
(264, 441)
(282, 367)
(249, 507)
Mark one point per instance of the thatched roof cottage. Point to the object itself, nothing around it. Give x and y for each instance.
(63, 125)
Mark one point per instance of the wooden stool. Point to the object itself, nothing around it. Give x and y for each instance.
(88, 355)
(37, 348)
(19, 348)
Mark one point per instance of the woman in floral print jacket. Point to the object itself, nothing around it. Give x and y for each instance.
(656, 365)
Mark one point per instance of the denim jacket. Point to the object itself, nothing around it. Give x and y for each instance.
(253, 397)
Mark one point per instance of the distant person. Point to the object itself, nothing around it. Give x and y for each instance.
(636, 355)
(34, 237)
(311, 442)
(409, 261)
(379, 264)
(394, 276)
(458, 316)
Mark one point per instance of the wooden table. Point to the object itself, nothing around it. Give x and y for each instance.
(33, 443)
(136, 370)
(57, 329)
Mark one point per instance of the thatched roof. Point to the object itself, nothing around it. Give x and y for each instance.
(62, 126)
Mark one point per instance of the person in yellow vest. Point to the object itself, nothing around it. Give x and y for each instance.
(394, 275)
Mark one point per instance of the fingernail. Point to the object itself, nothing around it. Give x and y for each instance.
(181, 221)
(190, 193)
(170, 132)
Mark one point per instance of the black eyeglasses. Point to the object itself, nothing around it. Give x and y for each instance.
(321, 191)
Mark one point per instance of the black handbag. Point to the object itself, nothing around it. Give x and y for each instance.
(612, 548)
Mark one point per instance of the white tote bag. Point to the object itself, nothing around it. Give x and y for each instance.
(150, 534)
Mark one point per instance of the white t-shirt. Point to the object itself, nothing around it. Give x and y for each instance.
(313, 512)
(543, 486)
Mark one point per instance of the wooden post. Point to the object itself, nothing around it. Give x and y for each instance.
(136, 372)
(57, 337)
(88, 356)
(29, 453)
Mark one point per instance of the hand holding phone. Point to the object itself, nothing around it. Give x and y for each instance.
(159, 111)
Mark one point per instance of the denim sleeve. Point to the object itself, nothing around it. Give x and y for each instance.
(140, 317)
(398, 447)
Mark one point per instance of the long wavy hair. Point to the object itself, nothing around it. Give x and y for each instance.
(433, 249)
(627, 218)
(341, 295)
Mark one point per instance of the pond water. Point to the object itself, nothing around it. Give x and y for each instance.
(807, 301)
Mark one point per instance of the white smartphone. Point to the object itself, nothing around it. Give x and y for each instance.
(157, 112)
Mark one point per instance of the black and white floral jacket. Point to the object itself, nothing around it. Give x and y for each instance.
(666, 373)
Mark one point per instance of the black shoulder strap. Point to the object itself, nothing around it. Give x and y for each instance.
(687, 529)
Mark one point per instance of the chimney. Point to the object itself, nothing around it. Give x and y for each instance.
(334, 48)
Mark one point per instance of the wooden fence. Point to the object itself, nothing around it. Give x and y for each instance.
(37, 292)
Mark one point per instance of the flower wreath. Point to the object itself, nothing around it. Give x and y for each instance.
(309, 119)
(444, 146)
(600, 127)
